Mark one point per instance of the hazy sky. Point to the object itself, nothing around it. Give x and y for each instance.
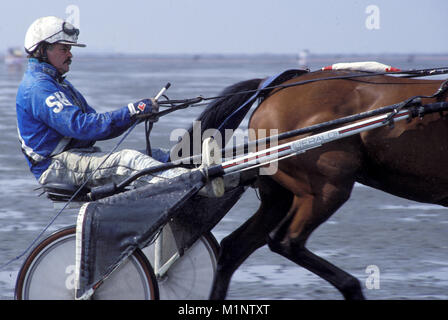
(241, 26)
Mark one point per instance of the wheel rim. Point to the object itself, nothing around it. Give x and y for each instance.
(49, 273)
(191, 276)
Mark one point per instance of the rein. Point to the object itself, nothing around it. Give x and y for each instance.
(195, 102)
(174, 105)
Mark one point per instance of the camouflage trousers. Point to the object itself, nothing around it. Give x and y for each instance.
(75, 166)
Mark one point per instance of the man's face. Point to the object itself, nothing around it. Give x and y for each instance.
(60, 57)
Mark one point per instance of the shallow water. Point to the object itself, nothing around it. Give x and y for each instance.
(407, 241)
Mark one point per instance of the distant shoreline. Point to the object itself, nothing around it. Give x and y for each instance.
(210, 56)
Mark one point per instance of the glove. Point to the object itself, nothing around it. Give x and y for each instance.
(144, 106)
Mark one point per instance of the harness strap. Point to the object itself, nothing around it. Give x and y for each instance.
(416, 100)
(442, 90)
(270, 81)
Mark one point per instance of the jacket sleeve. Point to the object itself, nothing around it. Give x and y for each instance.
(55, 109)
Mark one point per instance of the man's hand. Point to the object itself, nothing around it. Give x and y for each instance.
(144, 106)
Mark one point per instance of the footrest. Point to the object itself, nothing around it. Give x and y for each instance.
(64, 192)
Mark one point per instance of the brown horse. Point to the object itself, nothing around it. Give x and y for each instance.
(407, 161)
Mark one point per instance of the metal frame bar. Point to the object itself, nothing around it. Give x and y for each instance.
(282, 151)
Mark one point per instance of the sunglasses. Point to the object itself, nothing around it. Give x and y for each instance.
(69, 29)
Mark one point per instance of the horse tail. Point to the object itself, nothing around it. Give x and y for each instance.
(226, 112)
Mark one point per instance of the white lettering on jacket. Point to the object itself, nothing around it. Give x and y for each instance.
(57, 101)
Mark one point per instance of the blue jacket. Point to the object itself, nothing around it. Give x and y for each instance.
(52, 117)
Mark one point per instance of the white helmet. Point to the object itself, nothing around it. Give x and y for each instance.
(51, 30)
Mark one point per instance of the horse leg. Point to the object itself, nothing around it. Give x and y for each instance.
(250, 236)
(306, 214)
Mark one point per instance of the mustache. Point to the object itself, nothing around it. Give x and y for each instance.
(69, 61)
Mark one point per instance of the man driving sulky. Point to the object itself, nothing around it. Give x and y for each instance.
(57, 128)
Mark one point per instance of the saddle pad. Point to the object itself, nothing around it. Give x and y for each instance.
(369, 66)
